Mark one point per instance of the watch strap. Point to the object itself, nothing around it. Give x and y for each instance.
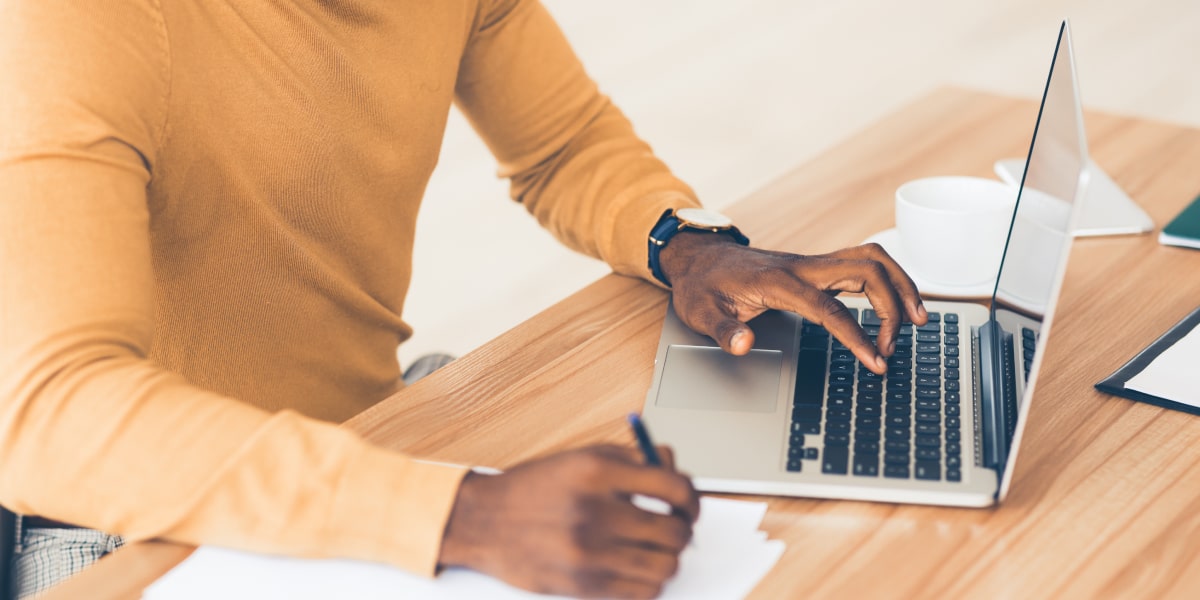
(667, 227)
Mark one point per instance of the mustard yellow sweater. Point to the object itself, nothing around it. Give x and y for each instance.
(206, 223)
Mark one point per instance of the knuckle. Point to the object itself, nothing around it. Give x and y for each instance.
(592, 583)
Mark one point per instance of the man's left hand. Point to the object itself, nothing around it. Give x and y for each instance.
(718, 285)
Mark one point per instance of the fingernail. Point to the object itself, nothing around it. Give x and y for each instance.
(736, 339)
(880, 362)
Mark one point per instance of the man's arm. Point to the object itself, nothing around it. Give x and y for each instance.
(91, 431)
(577, 165)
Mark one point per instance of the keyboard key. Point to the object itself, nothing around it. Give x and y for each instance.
(898, 397)
(842, 356)
(866, 465)
(951, 340)
(928, 359)
(906, 328)
(837, 413)
(841, 378)
(810, 453)
(895, 459)
(847, 368)
(896, 447)
(866, 446)
(953, 475)
(869, 398)
(794, 464)
(795, 452)
(867, 423)
(841, 390)
(810, 377)
(953, 435)
(870, 318)
(951, 386)
(928, 337)
(935, 317)
(929, 441)
(899, 386)
(870, 386)
(928, 416)
(950, 397)
(867, 375)
(899, 421)
(929, 369)
(928, 429)
(901, 409)
(812, 427)
(796, 439)
(898, 435)
(951, 362)
(952, 423)
(952, 329)
(896, 471)
(953, 461)
(806, 413)
(840, 402)
(928, 454)
(837, 439)
(903, 341)
(871, 435)
(836, 459)
(950, 318)
(928, 348)
(930, 326)
(925, 381)
(951, 351)
(868, 410)
(925, 404)
(928, 393)
(838, 426)
(953, 448)
(952, 410)
(1027, 333)
(952, 374)
(902, 352)
(927, 470)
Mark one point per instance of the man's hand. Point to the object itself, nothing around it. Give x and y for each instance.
(565, 524)
(718, 285)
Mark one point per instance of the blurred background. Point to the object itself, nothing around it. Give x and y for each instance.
(732, 94)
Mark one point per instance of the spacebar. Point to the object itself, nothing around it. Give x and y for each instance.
(810, 378)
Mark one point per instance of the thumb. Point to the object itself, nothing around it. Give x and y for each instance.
(734, 336)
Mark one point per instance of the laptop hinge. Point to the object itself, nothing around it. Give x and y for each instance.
(995, 407)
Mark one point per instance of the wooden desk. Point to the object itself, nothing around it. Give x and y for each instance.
(1106, 496)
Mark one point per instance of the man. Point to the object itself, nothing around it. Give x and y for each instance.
(205, 234)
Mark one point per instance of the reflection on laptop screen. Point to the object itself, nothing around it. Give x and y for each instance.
(1049, 187)
(1034, 256)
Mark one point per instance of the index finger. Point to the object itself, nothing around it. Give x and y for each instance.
(900, 280)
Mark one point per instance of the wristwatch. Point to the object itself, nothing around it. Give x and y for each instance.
(691, 219)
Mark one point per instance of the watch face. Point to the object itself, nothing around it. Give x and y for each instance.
(703, 218)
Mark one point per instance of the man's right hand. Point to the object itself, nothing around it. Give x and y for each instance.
(565, 524)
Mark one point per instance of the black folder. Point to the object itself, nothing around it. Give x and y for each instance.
(1115, 383)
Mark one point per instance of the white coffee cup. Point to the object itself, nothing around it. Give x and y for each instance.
(953, 229)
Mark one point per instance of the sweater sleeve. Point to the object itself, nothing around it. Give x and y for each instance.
(573, 158)
(92, 432)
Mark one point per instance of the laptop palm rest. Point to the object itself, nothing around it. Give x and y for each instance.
(707, 378)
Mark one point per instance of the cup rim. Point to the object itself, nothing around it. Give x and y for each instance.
(982, 181)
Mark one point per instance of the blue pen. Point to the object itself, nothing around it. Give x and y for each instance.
(643, 439)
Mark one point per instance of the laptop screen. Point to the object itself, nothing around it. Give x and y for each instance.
(1035, 250)
(1038, 243)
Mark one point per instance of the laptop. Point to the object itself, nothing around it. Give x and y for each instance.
(799, 416)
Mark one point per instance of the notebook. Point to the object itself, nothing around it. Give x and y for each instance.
(1184, 229)
(1164, 373)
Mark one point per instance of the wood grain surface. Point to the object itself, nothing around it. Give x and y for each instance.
(1106, 493)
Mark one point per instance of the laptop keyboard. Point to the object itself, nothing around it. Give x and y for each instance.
(847, 420)
(1028, 344)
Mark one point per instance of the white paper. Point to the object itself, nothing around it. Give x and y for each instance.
(726, 559)
(1172, 375)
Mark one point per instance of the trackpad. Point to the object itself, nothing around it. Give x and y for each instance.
(707, 378)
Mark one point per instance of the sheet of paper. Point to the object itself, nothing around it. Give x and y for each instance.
(1172, 375)
(726, 559)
